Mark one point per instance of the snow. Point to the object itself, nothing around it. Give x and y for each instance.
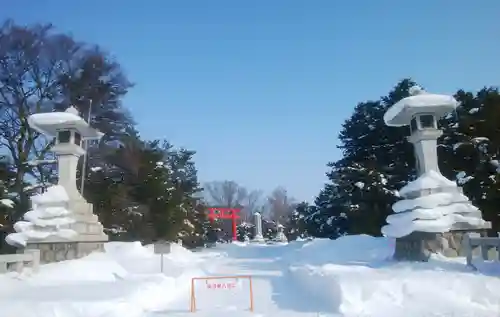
(50, 122)
(495, 164)
(125, 281)
(431, 213)
(420, 102)
(352, 276)
(7, 203)
(359, 185)
(429, 202)
(433, 221)
(48, 218)
(356, 278)
(53, 118)
(480, 139)
(40, 162)
(429, 180)
(463, 179)
(435, 212)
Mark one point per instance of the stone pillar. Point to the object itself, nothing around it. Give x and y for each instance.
(67, 166)
(258, 228)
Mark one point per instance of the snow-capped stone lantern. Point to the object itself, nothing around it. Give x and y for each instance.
(280, 233)
(434, 213)
(69, 130)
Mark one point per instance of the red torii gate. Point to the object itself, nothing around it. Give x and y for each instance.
(225, 213)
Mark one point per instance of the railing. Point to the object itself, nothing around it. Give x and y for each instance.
(18, 261)
(485, 243)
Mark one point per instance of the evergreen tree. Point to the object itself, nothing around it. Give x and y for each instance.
(377, 160)
(297, 225)
(470, 149)
(269, 229)
(245, 231)
(43, 71)
(328, 219)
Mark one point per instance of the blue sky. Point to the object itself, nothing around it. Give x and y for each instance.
(260, 88)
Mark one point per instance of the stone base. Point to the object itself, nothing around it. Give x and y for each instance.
(419, 246)
(413, 247)
(258, 239)
(61, 251)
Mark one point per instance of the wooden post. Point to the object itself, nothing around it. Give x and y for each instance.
(251, 293)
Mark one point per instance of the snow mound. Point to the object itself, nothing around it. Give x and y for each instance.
(344, 250)
(48, 219)
(434, 212)
(429, 180)
(436, 200)
(124, 281)
(356, 277)
(7, 203)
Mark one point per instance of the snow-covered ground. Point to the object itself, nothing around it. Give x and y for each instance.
(351, 277)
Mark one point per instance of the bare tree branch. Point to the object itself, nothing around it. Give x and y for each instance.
(280, 205)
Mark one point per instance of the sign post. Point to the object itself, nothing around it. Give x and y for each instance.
(161, 248)
(225, 213)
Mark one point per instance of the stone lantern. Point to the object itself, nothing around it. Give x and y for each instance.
(69, 130)
(434, 213)
(421, 111)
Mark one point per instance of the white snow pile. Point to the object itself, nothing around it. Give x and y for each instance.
(125, 281)
(437, 212)
(7, 203)
(48, 218)
(355, 275)
(429, 180)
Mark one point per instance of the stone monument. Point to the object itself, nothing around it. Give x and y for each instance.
(258, 238)
(70, 130)
(434, 213)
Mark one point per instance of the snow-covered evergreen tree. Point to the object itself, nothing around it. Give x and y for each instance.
(377, 160)
(245, 231)
(470, 149)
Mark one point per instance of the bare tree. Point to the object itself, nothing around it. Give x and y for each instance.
(251, 204)
(231, 194)
(225, 193)
(43, 71)
(280, 205)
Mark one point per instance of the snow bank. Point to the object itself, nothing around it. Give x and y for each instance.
(125, 281)
(355, 275)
